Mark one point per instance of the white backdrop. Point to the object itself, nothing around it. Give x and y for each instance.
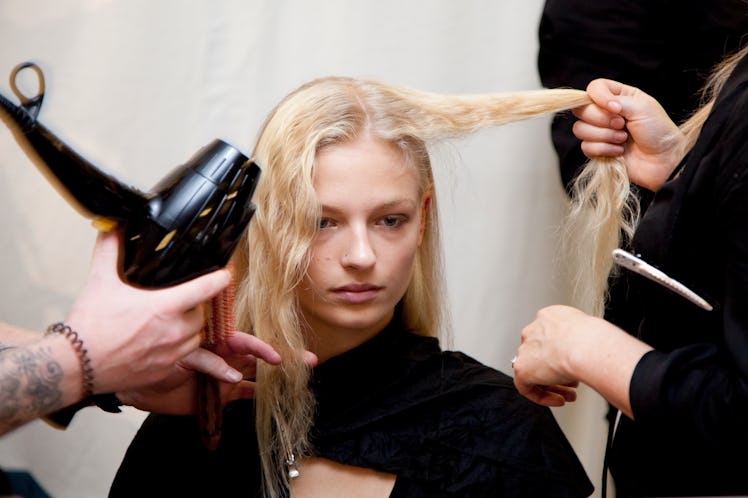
(137, 86)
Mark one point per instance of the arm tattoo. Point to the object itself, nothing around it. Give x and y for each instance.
(30, 385)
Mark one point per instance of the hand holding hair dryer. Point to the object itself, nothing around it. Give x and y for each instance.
(187, 225)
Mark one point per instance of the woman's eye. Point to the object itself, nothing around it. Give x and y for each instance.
(325, 223)
(393, 221)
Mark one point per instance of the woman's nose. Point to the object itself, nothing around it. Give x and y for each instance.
(359, 252)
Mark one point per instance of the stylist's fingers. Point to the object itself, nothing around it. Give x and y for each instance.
(184, 342)
(613, 96)
(549, 395)
(602, 90)
(597, 142)
(595, 115)
(567, 392)
(310, 359)
(588, 132)
(107, 243)
(105, 253)
(247, 344)
(190, 294)
(243, 343)
(629, 102)
(243, 390)
(547, 398)
(202, 360)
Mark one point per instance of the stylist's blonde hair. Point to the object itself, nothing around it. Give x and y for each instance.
(273, 257)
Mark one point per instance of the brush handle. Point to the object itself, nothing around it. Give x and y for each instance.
(219, 324)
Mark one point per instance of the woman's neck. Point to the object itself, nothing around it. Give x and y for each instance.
(327, 341)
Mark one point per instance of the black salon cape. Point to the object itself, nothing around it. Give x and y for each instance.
(445, 424)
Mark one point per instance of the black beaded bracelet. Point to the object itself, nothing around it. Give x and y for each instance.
(77, 343)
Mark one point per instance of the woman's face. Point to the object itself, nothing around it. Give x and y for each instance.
(361, 262)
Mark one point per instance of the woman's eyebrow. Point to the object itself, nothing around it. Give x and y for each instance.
(398, 203)
(404, 203)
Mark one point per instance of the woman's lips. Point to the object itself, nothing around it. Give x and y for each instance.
(357, 293)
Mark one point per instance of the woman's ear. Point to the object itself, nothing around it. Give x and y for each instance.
(425, 206)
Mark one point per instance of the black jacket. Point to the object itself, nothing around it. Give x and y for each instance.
(690, 396)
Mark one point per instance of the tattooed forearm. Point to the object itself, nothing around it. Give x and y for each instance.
(30, 385)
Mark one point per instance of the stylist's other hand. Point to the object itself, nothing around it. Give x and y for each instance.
(564, 347)
(625, 121)
(542, 370)
(135, 337)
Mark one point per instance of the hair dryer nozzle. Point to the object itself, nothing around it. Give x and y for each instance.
(197, 215)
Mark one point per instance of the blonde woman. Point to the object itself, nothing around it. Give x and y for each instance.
(679, 377)
(343, 258)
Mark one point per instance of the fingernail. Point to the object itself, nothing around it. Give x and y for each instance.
(234, 375)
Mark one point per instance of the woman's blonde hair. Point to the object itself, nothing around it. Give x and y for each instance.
(273, 257)
(604, 210)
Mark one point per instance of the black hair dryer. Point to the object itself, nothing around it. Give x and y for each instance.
(187, 225)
